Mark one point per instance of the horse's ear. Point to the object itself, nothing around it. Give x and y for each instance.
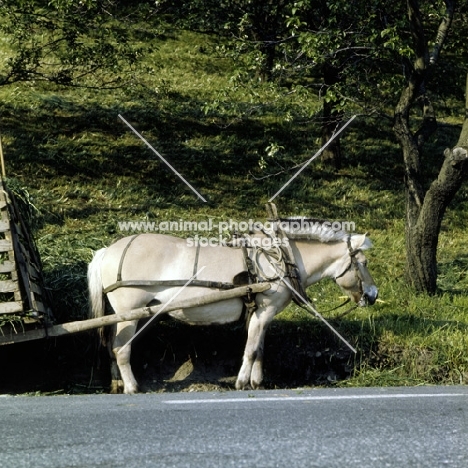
(360, 242)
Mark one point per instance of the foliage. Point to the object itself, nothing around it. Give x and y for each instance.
(85, 171)
(68, 42)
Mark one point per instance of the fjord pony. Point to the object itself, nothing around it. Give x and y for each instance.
(318, 253)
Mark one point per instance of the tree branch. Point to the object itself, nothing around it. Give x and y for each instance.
(420, 42)
(443, 30)
(429, 123)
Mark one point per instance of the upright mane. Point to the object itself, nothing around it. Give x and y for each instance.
(312, 229)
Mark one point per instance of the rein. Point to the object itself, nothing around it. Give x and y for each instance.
(346, 312)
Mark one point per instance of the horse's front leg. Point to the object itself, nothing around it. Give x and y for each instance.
(122, 352)
(252, 362)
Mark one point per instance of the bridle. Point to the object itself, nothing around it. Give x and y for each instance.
(356, 265)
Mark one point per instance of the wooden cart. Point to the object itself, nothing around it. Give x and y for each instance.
(24, 301)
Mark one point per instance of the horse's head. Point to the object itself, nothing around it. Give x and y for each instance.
(351, 273)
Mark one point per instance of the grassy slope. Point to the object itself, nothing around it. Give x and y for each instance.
(84, 171)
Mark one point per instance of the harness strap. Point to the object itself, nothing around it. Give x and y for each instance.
(195, 264)
(143, 283)
(353, 263)
(346, 312)
(292, 270)
(250, 266)
(122, 258)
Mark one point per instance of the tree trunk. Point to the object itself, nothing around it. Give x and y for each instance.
(265, 25)
(422, 236)
(424, 212)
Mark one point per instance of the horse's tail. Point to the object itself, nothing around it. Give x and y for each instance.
(95, 291)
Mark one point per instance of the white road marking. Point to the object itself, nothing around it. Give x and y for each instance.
(254, 399)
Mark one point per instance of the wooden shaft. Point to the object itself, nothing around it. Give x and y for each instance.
(135, 314)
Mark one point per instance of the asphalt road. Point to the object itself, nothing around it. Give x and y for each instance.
(395, 427)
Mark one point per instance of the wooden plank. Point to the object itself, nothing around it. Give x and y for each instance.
(28, 335)
(7, 267)
(135, 314)
(18, 296)
(22, 268)
(22, 248)
(33, 271)
(11, 307)
(8, 286)
(4, 225)
(5, 245)
(30, 320)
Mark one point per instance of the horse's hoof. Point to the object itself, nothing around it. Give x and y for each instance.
(256, 385)
(117, 386)
(131, 389)
(241, 385)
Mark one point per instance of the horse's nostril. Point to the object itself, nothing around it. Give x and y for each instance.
(371, 296)
(370, 300)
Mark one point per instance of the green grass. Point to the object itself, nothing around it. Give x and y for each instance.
(84, 171)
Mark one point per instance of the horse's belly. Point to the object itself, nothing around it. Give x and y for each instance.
(219, 313)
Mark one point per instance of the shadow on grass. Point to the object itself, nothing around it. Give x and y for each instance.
(82, 145)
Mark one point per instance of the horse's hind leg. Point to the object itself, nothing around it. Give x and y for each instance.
(116, 380)
(117, 385)
(121, 349)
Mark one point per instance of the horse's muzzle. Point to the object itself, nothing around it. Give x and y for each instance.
(369, 297)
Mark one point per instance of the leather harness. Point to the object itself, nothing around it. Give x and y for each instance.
(249, 299)
(299, 295)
